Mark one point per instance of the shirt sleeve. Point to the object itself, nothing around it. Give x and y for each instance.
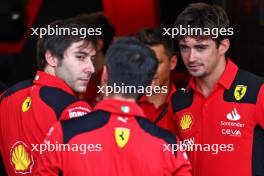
(175, 124)
(2, 166)
(182, 166)
(76, 109)
(181, 163)
(260, 107)
(50, 160)
(177, 162)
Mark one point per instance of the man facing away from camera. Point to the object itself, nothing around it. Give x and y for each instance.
(124, 141)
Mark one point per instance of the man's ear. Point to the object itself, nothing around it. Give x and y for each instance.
(223, 47)
(51, 59)
(104, 77)
(173, 62)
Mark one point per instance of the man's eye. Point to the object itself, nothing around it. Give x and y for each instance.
(183, 48)
(92, 58)
(80, 57)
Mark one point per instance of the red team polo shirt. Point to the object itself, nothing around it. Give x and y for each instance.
(27, 111)
(162, 116)
(230, 120)
(116, 140)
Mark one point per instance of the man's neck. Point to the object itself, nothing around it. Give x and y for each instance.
(48, 69)
(207, 83)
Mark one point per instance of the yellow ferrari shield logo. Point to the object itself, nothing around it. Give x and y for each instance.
(240, 91)
(122, 136)
(26, 104)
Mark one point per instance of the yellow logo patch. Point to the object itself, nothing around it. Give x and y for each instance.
(240, 92)
(186, 121)
(21, 158)
(26, 104)
(122, 136)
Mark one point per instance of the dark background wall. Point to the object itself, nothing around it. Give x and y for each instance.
(21, 66)
(246, 16)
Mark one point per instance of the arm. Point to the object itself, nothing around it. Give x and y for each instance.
(260, 108)
(76, 109)
(50, 162)
(2, 166)
(182, 166)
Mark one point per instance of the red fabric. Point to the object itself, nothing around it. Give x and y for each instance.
(129, 16)
(206, 121)
(23, 127)
(152, 112)
(142, 154)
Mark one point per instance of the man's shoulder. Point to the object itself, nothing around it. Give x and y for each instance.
(156, 131)
(181, 99)
(243, 75)
(58, 100)
(244, 88)
(86, 123)
(15, 88)
(53, 95)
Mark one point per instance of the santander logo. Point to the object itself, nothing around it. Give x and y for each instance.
(233, 116)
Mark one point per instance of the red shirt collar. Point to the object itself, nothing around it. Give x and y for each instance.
(46, 79)
(225, 80)
(144, 98)
(229, 74)
(120, 107)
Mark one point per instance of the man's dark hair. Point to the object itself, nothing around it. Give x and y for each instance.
(201, 15)
(99, 20)
(154, 36)
(130, 63)
(57, 44)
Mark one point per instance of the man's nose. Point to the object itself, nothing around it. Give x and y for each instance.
(89, 66)
(192, 55)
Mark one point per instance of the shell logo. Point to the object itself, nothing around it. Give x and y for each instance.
(186, 121)
(21, 158)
